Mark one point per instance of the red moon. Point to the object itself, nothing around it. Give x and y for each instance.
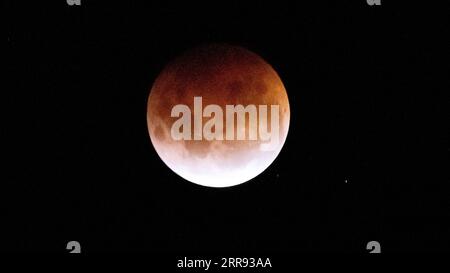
(222, 75)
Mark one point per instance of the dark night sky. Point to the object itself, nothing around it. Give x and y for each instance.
(367, 99)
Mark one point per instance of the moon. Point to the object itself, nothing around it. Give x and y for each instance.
(222, 75)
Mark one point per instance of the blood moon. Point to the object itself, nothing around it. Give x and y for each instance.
(221, 75)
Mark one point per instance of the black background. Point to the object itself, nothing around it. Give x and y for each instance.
(368, 105)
